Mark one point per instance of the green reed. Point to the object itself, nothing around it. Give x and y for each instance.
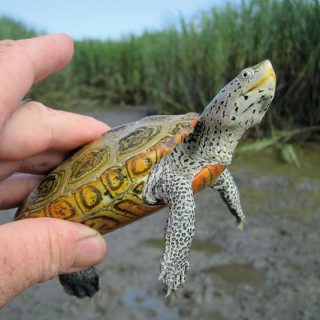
(182, 67)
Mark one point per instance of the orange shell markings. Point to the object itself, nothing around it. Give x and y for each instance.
(102, 183)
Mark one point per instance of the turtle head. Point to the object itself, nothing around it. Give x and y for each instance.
(243, 102)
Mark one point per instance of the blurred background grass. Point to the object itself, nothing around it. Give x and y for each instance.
(180, 68)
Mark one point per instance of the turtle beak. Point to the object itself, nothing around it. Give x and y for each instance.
(267, 78)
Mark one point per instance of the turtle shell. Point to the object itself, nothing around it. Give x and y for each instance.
(101, 184)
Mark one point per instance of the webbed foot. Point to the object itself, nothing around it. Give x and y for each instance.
(173, 276)
(81, 284)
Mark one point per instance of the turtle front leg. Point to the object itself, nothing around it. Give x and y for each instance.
(229, 193)
(177, 193)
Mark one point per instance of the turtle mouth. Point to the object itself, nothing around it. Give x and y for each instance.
(267, 80)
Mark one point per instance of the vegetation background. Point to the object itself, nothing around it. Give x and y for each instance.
(180, 68)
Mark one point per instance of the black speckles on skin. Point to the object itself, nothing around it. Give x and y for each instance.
(229, 193)
(177, 193)
(210, 143)
(250, 106)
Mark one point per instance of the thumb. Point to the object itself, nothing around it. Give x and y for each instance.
(36, 250)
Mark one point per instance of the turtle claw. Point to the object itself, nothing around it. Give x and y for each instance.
(162, 274)
(170, 290)
(240, 225)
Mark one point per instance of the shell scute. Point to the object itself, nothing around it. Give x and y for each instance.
(103, 222)
(137, 138)
(90, 196)
(101, 184)
(88, 162)
(141, 164)
(63, 208)
(116, 180)
(50, 186)
(131, 206)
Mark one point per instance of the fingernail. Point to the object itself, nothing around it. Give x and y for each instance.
(90, 250)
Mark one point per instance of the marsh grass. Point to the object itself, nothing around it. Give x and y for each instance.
(181, 68)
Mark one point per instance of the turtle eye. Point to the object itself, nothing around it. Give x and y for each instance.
(246, 74)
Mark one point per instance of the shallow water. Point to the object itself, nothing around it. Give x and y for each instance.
(237, 274)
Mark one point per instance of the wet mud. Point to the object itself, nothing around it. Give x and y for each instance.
(270, 270)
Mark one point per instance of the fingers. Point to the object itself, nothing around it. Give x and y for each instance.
(34, 128)
(16, 188)
(39, 164)
(25, 62)
(48, 54)
(36, 250)
(13, 189)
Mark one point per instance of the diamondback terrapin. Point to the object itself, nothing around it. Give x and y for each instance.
(138, 168)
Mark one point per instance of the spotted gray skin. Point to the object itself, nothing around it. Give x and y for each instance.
(229, 193)
(241, 104)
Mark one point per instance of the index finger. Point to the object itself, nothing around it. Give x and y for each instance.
(24, 62)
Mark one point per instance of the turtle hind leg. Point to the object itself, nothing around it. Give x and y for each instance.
(81, 284)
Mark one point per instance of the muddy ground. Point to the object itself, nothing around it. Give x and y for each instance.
(270, 270)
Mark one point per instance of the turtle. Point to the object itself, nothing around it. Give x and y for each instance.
(138, 168)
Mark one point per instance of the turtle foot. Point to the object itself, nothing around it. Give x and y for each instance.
(81, 284)
(173, 278)
(241, 224)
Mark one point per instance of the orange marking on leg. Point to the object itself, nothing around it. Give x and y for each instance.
(194, 123)
(206, 176)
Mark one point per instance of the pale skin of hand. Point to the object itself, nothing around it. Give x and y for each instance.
(33, 140)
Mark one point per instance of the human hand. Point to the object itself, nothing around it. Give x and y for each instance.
(33, 140)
